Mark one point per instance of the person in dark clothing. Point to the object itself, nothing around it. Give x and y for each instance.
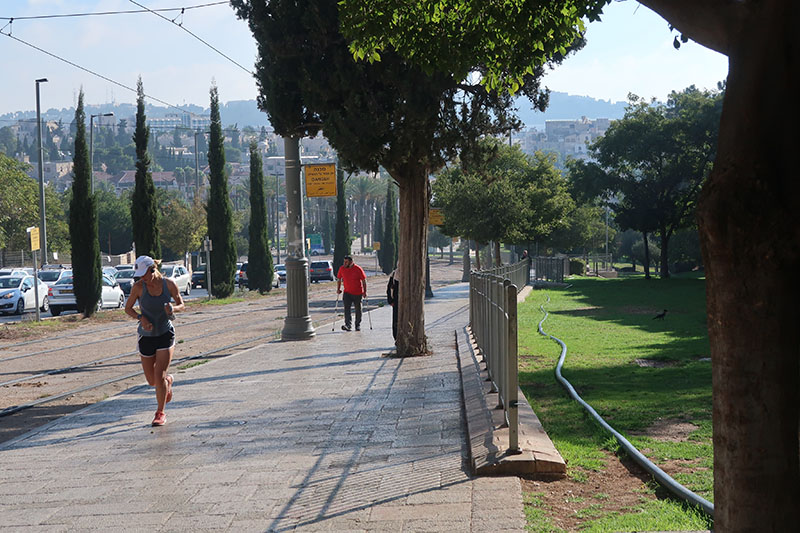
(392, 298)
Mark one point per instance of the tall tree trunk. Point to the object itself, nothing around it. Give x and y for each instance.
(477, 255)
(498, 261)
(414, 202)
(665, 235)
(751, 250)
(646, 256)
(465, 261)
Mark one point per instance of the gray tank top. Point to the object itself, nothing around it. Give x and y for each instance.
(152, 307)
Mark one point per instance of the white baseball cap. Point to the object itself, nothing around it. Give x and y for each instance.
(143, 262)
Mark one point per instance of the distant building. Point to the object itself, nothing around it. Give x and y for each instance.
(568, 138)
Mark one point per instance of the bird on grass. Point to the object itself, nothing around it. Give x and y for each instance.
(661, 315)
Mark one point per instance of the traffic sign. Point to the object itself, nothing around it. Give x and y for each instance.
(320, 180)
(34, 231)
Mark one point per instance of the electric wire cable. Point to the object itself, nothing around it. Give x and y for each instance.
(193, 35)
(659, 475)
(100, 13)
(106, 78)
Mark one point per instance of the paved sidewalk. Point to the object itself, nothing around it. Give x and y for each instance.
(315, 435)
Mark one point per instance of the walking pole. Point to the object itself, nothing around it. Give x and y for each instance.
(366, 304)
(335, 307)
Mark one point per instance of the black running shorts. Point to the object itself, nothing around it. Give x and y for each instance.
(148, 346)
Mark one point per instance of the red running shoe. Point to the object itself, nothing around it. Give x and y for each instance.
(170, 379)
(160, 418)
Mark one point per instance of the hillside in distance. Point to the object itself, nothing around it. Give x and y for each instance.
(246, 112)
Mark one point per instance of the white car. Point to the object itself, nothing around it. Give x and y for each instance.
(18, 294)
(180, 276)
(12, 272)
(62, 295)
(50, 277)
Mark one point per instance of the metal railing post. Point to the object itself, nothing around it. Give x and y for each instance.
(512, 383)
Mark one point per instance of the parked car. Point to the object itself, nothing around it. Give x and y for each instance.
(13, 272)
(199, 278)
(62, 296)
(180, 276)
(110, 271)
(17, 294)
(51, 276)
(124, 267)
(240, 277)
(125, 280)
(321, 271)
(281, 271)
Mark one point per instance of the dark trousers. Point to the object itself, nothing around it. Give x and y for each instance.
(394, 321)
(351, 300)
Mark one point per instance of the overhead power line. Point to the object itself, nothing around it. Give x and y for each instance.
(93, 73)
(100, 13)
(193, 35)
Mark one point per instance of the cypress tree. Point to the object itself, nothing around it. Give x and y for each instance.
(259, 258)
(377, 234)
(341, 246)
(218, 211)
(144, 208)
(389, 244)
(87, 272)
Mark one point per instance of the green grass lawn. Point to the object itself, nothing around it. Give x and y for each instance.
(649, 379)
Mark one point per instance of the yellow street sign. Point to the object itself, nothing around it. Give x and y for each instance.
(34, 239)
(376, 245)
(320, 180)
(435, 217)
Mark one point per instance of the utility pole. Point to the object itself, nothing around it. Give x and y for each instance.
(91, 143)
(196, 166)
(297, 324)
(42, 218)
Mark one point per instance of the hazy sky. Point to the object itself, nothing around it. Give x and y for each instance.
(630, 51)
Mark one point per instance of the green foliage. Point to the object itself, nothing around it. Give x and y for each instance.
(182, 226)
(390, 244)
(8, 142)
(577, 267)
(114, 221)
(218, 210)
(341, 247)
(505, 41)
(259, 258)
(144, 210)
(437, 239)
(19, 209)
(86, 270)
(655, 160)
(501, 194)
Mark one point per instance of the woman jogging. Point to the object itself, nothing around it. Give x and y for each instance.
(156, 332)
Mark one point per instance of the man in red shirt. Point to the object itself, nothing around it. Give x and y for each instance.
(355, 287)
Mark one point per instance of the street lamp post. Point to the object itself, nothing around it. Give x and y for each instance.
(91, 143)
(42, 219)
(297, 324)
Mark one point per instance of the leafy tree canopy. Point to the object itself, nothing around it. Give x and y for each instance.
(504, 40)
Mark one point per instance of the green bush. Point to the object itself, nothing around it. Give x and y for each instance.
(577, 267)
(366, 250)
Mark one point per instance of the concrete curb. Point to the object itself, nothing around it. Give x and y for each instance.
(488, 439)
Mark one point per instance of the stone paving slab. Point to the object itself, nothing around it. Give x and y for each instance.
(316, 435)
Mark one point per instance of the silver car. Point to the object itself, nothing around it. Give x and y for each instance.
(180, 276)
(17, 294)
(62, 295)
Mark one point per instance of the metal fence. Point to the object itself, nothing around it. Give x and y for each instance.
(550, 268)
(493, 321)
